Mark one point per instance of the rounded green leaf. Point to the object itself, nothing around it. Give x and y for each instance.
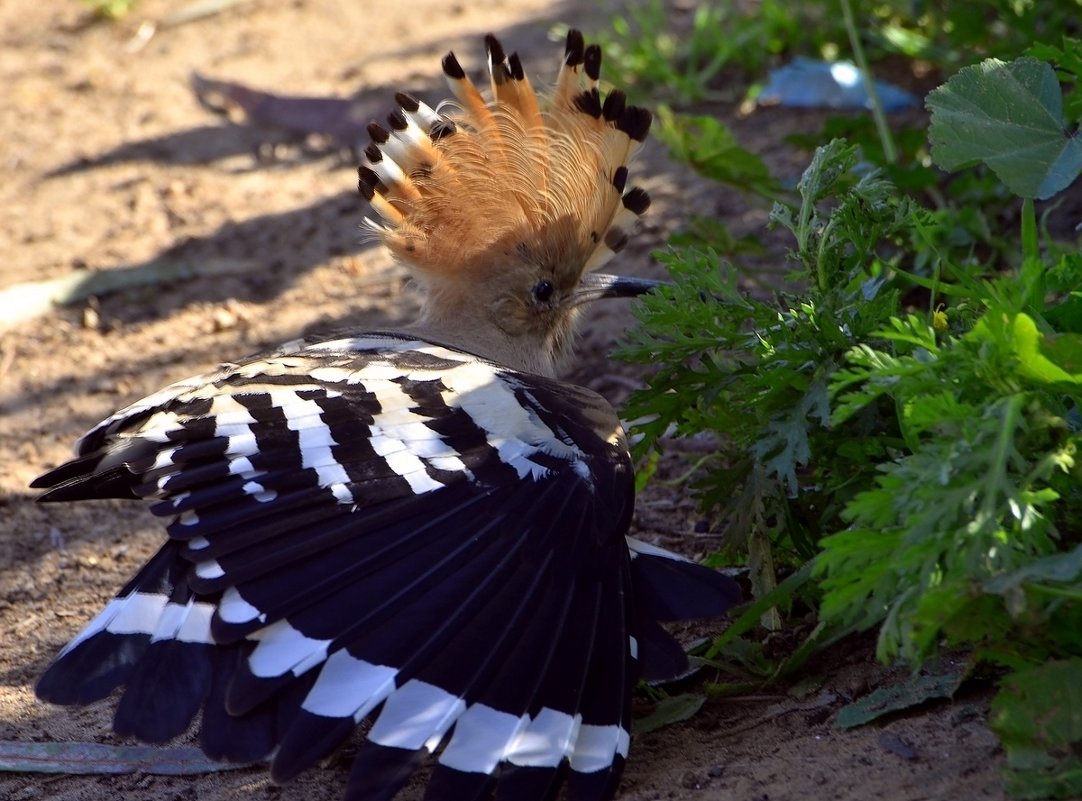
(1008, 115)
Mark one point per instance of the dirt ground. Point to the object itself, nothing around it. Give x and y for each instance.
(110, 164)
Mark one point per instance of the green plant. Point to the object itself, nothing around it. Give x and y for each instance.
(901, 426)
(678, 58)
(952, 34)
(709, 146)
(757, 373)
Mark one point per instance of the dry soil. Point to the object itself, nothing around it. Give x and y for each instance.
(110, 164)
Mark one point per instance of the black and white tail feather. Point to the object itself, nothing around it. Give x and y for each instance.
(390, 527)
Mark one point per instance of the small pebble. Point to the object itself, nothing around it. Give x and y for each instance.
(691, 781)
(897, 746)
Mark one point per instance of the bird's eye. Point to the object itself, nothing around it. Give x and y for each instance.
(542, 291)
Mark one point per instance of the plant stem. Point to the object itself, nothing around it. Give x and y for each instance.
(1032, 267)
(1030, 246)
(889, 151)
(996, 482)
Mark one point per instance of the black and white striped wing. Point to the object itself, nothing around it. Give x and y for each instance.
(372, 528)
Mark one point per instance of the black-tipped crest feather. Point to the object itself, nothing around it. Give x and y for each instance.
(525, 172)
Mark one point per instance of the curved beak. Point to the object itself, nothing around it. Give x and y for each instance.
(596, 286)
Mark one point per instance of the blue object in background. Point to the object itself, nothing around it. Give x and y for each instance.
(808, 83)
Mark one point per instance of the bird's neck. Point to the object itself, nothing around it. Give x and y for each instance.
(486, 339)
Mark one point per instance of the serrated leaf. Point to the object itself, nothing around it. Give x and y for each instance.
(1008, 115)
(784, 446)
(782, 449)
(830, 163)
(1068, 61)
(916, 691)
(935, 410)
(1058, 567)
(672, 710)
(1068, 57)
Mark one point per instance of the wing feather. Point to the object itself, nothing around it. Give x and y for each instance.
(361, 530)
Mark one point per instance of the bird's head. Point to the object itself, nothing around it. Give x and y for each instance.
(504, 208)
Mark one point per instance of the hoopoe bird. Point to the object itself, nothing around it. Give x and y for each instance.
(421, 530)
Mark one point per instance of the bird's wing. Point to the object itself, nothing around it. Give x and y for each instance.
(374, 527)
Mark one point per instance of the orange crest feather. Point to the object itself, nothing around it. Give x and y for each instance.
(464, 188)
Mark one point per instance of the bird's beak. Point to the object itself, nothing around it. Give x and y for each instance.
(596, 286)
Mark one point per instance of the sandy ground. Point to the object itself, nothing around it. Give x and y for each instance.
(109, 163)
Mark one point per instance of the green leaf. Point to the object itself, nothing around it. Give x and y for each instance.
(784, 447)
(750, 615)
(1034, 364)
(1038, 716)
(1060, 567)
(711, 148)
(1067, 58)
(1068, 61)
(1033, 349)
(646, 470)
(934, 410)
(1008, 115)
(672, 710)
(914, 692)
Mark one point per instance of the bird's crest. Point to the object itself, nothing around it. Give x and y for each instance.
(475, 184)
